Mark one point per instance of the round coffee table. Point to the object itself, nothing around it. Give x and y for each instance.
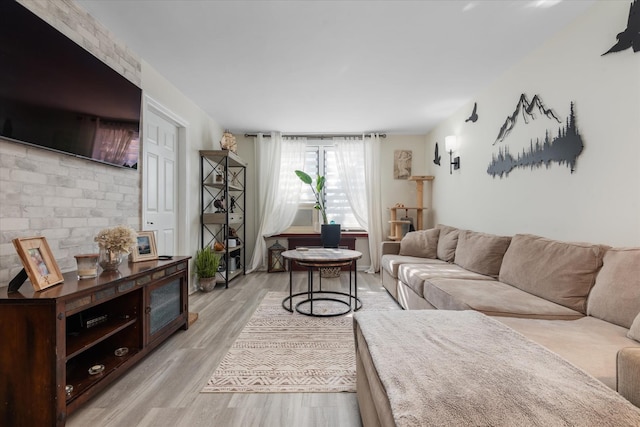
(317, 258)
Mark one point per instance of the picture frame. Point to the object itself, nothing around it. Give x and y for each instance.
(38, 261)
(146, 249)
(402, 164)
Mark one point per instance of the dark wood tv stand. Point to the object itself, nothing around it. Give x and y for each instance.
(50, 339)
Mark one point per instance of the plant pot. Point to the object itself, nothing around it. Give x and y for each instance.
(110, 260)
(330, 235)
(207, 284)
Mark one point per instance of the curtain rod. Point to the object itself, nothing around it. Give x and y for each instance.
(320, 136)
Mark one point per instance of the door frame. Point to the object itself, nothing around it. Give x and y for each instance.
(182, 209)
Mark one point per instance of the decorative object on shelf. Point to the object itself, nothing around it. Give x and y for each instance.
(563, 148)
(437, 156)
(145, 249)
(276, 260)
(630, 37)
(451, 145)
(217, 246)
(402, 164)
(87, 266)
(115, 243)
(68, 389)
(39, 264)
(219, 204)
(474, 114)
(96, 369)
(120, 352)
(228, 141)
(206, 264)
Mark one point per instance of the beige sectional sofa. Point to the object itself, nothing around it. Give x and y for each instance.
(581, 301)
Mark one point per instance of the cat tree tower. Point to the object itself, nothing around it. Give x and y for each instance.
(397, 224)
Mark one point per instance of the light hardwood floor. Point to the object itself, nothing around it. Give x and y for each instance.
(164, 388)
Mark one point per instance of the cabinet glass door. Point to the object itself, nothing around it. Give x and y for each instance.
(165, 305)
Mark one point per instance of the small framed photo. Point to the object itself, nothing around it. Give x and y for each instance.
(39, 263)
(146, 249)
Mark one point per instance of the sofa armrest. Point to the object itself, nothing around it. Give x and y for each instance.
(390, 247)
(628, 374)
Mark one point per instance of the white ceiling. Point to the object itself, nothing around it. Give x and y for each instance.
(332, 66)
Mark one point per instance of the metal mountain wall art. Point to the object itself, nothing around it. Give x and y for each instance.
(630, 37)
(563, 148)
(528, 110)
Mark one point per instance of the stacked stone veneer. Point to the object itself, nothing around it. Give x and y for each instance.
(63, 198)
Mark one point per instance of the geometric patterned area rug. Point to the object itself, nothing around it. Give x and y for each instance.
(282, 352)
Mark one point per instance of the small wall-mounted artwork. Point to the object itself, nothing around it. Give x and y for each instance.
(437, 156)
(402, 164)
(474, 114)
(527, 109)
(630, 37)
(563, 148)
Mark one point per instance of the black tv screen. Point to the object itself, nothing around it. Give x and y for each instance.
(56, 95)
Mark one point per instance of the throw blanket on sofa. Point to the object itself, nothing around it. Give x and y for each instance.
(464, 368)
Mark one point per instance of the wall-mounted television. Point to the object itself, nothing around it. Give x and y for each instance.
(56, 95)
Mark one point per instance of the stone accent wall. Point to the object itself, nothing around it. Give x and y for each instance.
(63, 198)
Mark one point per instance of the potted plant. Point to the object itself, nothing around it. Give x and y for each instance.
(329, 233)
(206, 265)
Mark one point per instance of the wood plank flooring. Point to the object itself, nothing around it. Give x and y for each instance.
(163, 390)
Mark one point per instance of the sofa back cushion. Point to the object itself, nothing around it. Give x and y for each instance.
(480, 252)
(561, 272)
(615, 297)
(422, 243)
(447, 242)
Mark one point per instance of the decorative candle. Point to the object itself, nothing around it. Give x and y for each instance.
(87, 266)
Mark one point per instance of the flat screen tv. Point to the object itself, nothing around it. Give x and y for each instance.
(56, 95)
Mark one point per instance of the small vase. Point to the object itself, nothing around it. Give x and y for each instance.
(110, 260)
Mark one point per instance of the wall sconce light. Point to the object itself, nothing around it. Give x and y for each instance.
(451, 145)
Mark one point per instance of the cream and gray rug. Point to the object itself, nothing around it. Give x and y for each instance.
(281, 352)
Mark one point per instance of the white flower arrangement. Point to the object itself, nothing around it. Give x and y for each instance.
(117, 239)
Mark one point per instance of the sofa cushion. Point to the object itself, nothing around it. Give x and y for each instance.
(589, 343)
(414, 275)
(481, 252)
(492, 298)
(391, 262)
(615, 297)
(423, 243)
(634, 331)
(557, 271)
(447, 242)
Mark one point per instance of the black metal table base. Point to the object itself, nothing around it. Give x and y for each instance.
(352, 304)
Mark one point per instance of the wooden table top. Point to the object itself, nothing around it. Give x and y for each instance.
(322, 256)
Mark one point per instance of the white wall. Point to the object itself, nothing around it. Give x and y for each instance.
(68, 200)
(600, 201)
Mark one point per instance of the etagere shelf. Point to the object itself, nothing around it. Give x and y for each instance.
(222, 202)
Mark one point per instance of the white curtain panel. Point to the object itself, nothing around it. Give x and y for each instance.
(278, 189)
(374, 205)
(363, 187)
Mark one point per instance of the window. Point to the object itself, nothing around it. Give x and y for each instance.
(321, 159)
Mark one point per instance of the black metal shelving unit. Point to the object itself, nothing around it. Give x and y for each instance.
(223, 200)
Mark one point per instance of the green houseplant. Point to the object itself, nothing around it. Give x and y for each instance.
(330, 233)
(206, 266)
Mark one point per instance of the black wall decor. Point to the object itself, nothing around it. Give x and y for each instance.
(474, 114)
(630, 37)
(528, 112)
(437, 156)
(564, 148)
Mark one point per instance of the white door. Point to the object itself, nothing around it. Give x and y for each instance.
(160, 151)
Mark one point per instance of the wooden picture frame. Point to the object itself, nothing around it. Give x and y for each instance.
(38, 261)
(145, 249)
